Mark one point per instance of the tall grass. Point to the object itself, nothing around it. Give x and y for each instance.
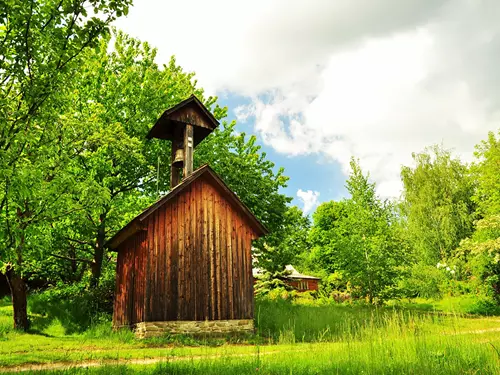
(284, 322)
(308, 339)
(438, 356)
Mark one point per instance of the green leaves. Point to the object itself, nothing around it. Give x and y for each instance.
(487, 171)
(359, 238)
(437, 203)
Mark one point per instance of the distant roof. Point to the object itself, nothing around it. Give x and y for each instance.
(294, 274)
(135, 224)
(297, 275)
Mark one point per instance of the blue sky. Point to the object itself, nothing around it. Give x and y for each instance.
(321, 81)
(306, 172)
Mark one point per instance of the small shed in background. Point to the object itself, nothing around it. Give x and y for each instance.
(300, 281)
(295, 279)
(184, 264)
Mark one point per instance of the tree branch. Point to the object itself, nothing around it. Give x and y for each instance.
(72, 259)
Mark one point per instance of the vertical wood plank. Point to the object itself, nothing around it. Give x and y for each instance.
(236, 262)
(223, 253)
(206, 252)
(194, 264)
(229, 252)
(211, 240)
(174, 271)
(134, 245)
(248, 256)
(168, 261)
(154, 269)
(143, 250)
(200, 261)
(218, 255)
(161, 263)
(181, 224)
(187, 255)
(150, 246)
(244, 278)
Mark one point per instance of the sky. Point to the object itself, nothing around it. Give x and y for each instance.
(321, 81)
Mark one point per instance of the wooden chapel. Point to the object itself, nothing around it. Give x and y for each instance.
(184, 264)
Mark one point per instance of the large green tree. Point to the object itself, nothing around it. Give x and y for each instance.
(482, 250)
(326, 235)
(437, 203)
(40, 46)
(358, 238)
(121, 94)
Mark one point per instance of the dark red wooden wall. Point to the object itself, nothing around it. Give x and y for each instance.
(193, 262)
(303, 284)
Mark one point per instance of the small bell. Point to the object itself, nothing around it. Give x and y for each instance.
(179, 158)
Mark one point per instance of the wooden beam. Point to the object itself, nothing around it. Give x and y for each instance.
(188, 150)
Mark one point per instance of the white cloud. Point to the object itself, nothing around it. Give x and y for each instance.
(377, 79)
(309, 198)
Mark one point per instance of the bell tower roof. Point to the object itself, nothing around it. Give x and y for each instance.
(188, 112)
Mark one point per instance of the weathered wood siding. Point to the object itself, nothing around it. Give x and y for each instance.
(193, 262)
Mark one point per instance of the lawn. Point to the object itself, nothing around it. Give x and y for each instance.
(291, 338)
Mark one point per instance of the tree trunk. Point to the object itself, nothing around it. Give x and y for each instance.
(99, 251)
(19, 301)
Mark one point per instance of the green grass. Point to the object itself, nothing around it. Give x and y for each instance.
(297, 339)
(407, 355)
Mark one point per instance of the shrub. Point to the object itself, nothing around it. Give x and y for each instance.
(76, 306)
(423, 281)
(484, 306)
(273, 284)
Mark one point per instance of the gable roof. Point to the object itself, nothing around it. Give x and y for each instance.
(294, 274)
(189, 111)
(136, 225)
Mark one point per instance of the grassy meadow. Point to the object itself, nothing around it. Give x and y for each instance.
(292, 338)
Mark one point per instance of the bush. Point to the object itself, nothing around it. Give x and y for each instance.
(423, 281)
(273, 284)
(76, 306)
(484, 306)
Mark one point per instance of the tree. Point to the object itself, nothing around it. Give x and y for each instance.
(481, 251)
(293, 242)
(121, 94)
(486, 172)
(437, 204)
(40, 44)
(326, 235)
(357, 238)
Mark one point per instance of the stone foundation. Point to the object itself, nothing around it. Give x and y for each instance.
(197, 328)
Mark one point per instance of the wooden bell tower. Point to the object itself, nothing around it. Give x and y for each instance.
(185, 263)
(186, 125)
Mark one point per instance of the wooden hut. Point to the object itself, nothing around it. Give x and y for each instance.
(184, 264)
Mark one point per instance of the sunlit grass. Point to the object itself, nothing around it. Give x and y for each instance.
(290, 338)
